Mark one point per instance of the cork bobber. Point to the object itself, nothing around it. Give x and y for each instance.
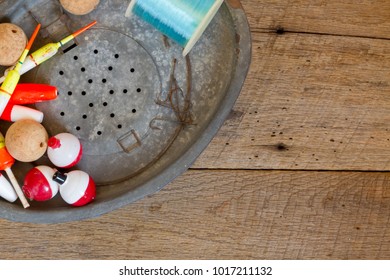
(26, 140)
(79, 7)
(13, 40)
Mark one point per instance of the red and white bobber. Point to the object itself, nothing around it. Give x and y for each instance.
(39, 184)
(64, 150)
(76, 187)
(6, 190)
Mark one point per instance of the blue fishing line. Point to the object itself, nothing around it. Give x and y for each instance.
(177, 19)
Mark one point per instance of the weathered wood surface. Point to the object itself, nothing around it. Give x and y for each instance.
(364, 18)
(317, 98)
(310, 102)
(228, 215)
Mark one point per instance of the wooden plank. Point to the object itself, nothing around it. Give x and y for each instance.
(310, 102)
(349, 17)
(228, 215)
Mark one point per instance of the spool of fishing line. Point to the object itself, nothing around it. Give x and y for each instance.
(183, 21)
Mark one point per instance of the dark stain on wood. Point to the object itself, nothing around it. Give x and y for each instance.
(282, 147)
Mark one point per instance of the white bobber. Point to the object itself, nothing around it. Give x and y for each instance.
(6, 190)
(14, 113)
(76, 187)
(39, 184)
(64, 150)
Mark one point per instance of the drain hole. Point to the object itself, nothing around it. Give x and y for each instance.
(90, 81)
(70, 93)
(111, 91)
(83, 92)
(112, 115)
(62, 114)
(125, 91)
(99, 133)
(105, 104)
(110, 68)
(78, 128)
(134, 111)
(70, 48)
(119, 126)
(95, 51)
(132, 70)
(91, 105)
(61, 73)
(75, 57)
(138, 90)
(82, 69)
(84, 117)
(116, 55)
(104, 81)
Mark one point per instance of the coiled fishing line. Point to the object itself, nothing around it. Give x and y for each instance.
(183, 21)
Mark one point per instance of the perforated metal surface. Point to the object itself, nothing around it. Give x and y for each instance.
(106, 90)
(108, 94)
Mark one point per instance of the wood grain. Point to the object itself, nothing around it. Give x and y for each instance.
(317, 98)
(228, 215)
(311, 102)
(347, 18)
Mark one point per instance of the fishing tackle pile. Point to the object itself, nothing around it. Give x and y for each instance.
(27, 140)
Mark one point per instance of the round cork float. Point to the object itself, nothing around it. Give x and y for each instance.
(13, 40)
(79, 7)
(26, 140)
